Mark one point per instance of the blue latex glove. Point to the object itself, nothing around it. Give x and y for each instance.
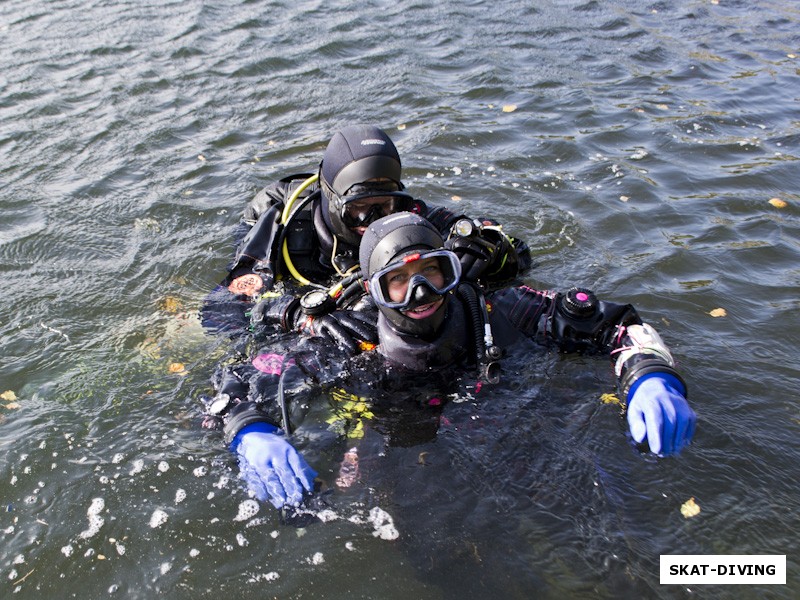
(272, 468)
(658, 411)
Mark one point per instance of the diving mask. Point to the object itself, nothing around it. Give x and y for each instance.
(415, 278)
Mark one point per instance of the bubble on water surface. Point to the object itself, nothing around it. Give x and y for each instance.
(247, 510)
(271, 576)
(95, 520)
(158, 518)
(383, 523)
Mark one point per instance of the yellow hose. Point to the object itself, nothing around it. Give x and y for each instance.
(284, 218)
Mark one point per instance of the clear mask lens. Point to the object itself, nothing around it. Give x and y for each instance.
(398, 284)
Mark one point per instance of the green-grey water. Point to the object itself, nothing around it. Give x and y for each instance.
(635, 145)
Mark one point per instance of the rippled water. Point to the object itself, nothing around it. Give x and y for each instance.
(635, 145)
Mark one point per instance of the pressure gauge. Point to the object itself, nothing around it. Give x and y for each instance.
(317, 302)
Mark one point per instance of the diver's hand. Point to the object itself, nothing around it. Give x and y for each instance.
(272, 468)
(486, 253)
(658, 411)
(347, 328)
(278, 310)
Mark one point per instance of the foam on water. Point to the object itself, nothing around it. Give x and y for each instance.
(247, 510)
(158, 518)
(95, 520)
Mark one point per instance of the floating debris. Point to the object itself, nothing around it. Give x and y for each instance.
(690, 508)
(778, 203)
(170, 304)
(177, 368)
(507, 108)
(610, 399)
(718, 312)
(8, 395)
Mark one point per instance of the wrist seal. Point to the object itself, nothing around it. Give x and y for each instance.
(243, 414)
(642, 352)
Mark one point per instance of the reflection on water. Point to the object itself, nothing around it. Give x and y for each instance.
(636, 146)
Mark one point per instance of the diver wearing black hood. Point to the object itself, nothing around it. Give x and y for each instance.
(418, 293)
(426, 322)
(308, 228)
(408, 338)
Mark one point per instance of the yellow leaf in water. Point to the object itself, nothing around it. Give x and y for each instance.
(12, 405)
(690, 508)
(509, 108)
(171, 304)
(8, 395)
(455, 198)
(401, 127)
(177, 367)
(610, 399)
(719, 312)
(778, 203)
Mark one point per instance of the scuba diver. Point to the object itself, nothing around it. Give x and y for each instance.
(308, 227)
(430, 322)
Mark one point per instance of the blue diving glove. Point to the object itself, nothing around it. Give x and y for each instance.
(272, 468)
(658, 411)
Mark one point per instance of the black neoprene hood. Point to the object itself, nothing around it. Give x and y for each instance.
(359, 153)
(387, 238)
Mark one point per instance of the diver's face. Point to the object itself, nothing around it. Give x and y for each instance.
(397, 285)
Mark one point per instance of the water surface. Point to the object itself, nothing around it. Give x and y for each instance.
(635, 145)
